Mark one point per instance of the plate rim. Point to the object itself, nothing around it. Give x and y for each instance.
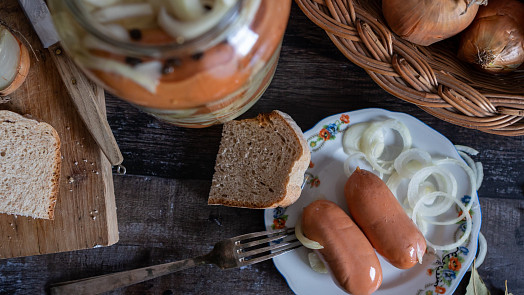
(381, 111)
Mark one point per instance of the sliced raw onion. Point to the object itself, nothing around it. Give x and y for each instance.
(305, 241)
(480, 174)
(469, 172)
(347, 164)
(431, 188)
(372, 143)
(9, 57)
(483, 249)
(352, 136)
(447, 184)
(470, 163)
(316, 263)
(373, 137)
(467, 150)
(14, 62)
(465, 213)
(393, 183)
(410, 161)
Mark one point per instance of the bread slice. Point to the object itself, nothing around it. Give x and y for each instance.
(260, 163)
(29, 166)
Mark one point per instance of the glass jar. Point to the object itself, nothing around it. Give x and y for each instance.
(192, 69)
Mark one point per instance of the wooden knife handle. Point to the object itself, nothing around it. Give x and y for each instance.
(110, 282)
(84, 93)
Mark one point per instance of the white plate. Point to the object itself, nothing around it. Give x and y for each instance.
(439, 273)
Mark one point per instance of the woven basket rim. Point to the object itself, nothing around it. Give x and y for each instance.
(430, 77)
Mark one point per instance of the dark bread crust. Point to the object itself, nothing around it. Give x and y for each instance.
(290, 180)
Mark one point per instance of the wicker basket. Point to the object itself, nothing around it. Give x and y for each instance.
(430, 77)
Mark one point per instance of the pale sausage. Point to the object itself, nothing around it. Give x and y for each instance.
(348, 254)
(383, 220)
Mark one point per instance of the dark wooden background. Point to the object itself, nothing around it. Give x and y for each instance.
(162, 201)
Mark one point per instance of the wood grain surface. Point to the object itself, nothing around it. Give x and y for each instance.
(85, 213)
(162, 203)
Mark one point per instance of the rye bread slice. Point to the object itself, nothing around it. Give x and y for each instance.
(260, 163)
(29, 166)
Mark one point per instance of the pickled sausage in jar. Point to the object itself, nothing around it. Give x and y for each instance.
(383, 220)
(348, 254)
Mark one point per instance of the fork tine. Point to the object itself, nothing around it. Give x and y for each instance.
(263, 233)
(273, 247)
(283, 250)
(266, 240)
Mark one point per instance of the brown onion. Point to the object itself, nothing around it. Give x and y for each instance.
(495, 39)
(22, 63)
(425, 22)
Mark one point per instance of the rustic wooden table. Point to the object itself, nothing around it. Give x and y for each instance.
(162, 201)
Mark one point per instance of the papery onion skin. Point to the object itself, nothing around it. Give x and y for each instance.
(494, 42)
(425, 22)
(23, 70)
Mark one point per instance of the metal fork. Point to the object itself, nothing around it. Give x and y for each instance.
(230, 253)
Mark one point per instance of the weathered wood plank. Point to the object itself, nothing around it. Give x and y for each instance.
(44, 97)
(161, 220)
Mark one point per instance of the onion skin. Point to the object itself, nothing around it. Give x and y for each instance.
(23, 70)
(425, 22)
(495, 40)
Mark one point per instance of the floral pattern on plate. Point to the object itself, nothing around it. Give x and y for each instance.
(328, 132)
(439, 274)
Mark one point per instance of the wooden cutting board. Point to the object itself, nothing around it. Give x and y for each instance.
(85, 213)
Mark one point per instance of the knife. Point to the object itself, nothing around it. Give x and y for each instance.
(83, 92)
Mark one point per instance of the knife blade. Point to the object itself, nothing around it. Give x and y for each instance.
(83, 92)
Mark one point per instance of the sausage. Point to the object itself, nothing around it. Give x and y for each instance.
(383, 220)
(348, 254)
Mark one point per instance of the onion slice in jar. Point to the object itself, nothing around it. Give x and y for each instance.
(185, 10)
(101, 3)
(146, 75)
(122, 11)
(194, 28)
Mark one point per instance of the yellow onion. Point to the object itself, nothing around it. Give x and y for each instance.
(14, 62)
(495, 40)
(425, 22)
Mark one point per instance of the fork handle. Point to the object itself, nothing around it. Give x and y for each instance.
(109, 282)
